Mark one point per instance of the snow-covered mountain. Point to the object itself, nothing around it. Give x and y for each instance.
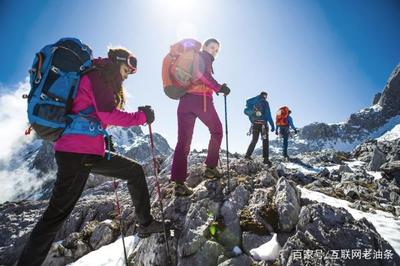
(369, 123)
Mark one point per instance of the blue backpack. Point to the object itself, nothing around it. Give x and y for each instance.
(251, 108)
(54, 79)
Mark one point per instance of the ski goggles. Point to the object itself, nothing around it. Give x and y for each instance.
(131, 61)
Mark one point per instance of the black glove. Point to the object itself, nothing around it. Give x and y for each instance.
(224, 89)
(109, 143)
(295, 131)
(148, 112)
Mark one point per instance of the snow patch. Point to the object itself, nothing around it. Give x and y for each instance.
(391, 135)
(376, 175)
(387, 127)
(303, 169)
(111, 254)
(268, 251)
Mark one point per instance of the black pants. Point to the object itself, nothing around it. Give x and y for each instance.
(73, 171)
(259, 129)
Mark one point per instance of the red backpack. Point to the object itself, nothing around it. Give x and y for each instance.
(177, 67)
(282, 116)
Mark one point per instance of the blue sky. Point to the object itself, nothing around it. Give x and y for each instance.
(324, 59)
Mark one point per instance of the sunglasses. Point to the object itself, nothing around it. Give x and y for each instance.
(131, 61)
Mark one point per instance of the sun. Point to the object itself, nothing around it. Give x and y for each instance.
(186, 30)
(172, 8)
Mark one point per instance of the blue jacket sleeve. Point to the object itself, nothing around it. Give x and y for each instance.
(267, 116)
(290, 121)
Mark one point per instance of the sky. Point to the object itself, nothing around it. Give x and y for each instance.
(323, 59)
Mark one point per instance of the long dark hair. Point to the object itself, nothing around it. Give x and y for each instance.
(110, 73)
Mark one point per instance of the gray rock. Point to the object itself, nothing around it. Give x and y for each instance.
(151, 251)
(345, 169)
(324, 173)
(80, 250)
(350, 189)
(242, 260)
(196, 175)
(260, 216)
(268, 180)
(210, 254)
(378, 158)
(392, 169)
(230, 236)
(198, 218)
(44, 160)
(243, 167)
(250, 241)
(377, 97)
(58, 256)
(323, 228)
(177, 209)
(102, 235)
(397, 211)
(287, 201)
(394, 198)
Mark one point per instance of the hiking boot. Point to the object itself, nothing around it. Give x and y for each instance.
(181, 189)
(154, 227)
(212, 172)
(268, 162)
(286, 158)
(248, 158)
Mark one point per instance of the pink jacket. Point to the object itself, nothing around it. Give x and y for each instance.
(85, 97)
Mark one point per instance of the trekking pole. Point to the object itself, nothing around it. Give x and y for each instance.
(121, 224)
(227, 142)
(159, 191)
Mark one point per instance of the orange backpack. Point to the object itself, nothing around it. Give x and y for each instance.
(282, 116)
(177, 67)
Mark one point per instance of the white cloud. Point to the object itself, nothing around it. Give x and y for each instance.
(14, 120)
(16, 178)
(20, 183)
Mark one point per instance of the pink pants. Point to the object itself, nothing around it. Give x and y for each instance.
(191, 107)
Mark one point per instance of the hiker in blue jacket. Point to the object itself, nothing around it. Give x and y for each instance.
(283, 128)
(259, 113)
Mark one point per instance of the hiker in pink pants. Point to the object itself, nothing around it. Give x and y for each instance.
(198, 103)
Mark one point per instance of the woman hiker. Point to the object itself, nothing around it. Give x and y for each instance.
(100, 97)
(198, 103)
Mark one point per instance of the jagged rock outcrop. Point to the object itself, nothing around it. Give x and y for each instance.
(319, 241)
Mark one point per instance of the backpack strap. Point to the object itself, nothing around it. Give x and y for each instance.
(83, 124)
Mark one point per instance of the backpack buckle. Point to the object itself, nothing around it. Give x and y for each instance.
(43, 97)
(91, 126)
(55, 69)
